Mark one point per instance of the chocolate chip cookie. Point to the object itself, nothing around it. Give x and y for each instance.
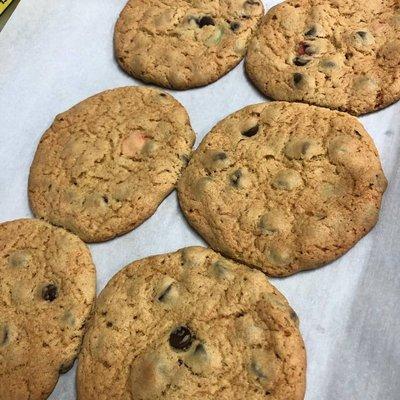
(184, 44)
(341, 54)
(284, 187)
(191, 325)
(105, 165)
(47, 288)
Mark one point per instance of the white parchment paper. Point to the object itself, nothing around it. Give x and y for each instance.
(56, 53)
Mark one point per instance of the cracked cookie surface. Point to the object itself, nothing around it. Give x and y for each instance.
(340, 54)
(105, 165)
(47, 289)
(284, 187)
(191, 325)
(182, 44)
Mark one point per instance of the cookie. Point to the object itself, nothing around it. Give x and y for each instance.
(184, 44)
(47, 289)
(284, 187)
(340, 54)
(191, 325)
(105, 165)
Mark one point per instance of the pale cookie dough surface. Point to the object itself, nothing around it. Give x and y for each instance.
(191, 325)
(105, 165)
(341, 54)
(182, 44)
(47, 289)
(283, 186)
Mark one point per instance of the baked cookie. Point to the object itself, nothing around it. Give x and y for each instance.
(105, 165)
(183, 44)
(341, 54)
(47, 289)
(191, 325)
(284, 187)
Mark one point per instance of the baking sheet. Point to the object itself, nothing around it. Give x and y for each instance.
(56, 53)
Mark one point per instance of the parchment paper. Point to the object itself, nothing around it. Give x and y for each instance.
(56, 53)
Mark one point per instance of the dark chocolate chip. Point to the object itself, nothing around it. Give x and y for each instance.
(4, 334)
(294, 316)
(185, 159)
(235, 26)
(200, 350)
(50, 292)
(328, 64)
(305, 147)
(311, 32)
(297, 78)
(362, 34)
(181, 338)
(109, 324)
(204, 21)
(252, 2)
(220, 156)
(163, 95)
(301, 61)
(235, 178)
(165, 293)
(251, 132)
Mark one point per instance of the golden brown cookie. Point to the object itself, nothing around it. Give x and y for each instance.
(105, 165)
(191, 325)
(47, 290)
(341, 54)
(184, 44)
(284, 187)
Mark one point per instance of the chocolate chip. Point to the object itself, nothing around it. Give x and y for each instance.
(204, 21)
(362, 34)
(185, 159)
(4, 334)
(219, 269)
(235, 178)
(200, 350)
(305, 146)
(252, 2)
(163, 95)
(235, 26)
(294, 316)
(301, 61)
(328, 64)
(297, 78)
(181, 338)
(251, 132)
(220, 156)
(165, 293)
(311, 32)
(50, 292)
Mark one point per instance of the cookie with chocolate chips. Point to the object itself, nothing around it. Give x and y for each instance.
(105, 165)
(297, 186)
(191, 325)
(184, 44)
(340, 54)
(47, 290)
